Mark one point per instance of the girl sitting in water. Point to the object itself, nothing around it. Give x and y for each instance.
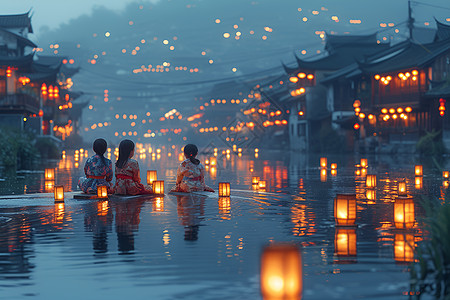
(191, 173)
(128, 180)
(98, 170)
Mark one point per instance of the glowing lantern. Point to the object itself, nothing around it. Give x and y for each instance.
(404, 213)
(158, 187)
(323, 162)
(363, 172)
(333, 172)
(59, 193)
(333, 166)
(404, 248)
(323, 175)
(402, 190)
(445, 174)
(49, 174)
(445, 184)
(371, 195)
(255, 180)
(418, 182)
(49, 185)
(158, 204)
(345, 209)
(363, 162)
(151, 176)
(418, 170)
(281, 272)
(371, 181)
(345, 242)
(224, 189)
(262, 184)
(358, 172)
(213, 161)
(102, 192)
(224, 206)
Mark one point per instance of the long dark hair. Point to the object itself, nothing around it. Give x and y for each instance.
(125, 148)
(100, 149)
(190, 150)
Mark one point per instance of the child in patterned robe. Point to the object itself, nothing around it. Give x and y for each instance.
(98, 170)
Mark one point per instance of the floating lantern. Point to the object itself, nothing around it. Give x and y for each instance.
(333, 172)
(358, 172)
(323, 162)
(323, 175)
(363, 162)
(404, 213)
(363, 172)
(445, 174)
(213, 173)
(151, 176)
(345, 242)
(49, 174)
(281, 272)
(255, 180)
(345, 209)
(402, 190)
(158, 187)
(158, 204)
(418, 182)
(418, 170)
(213, 161)
(224, 206)
(333, 166)
(262, 184)
(59, 193)
(102, 192)
(404, 248)
(224, 189)
(371, 181)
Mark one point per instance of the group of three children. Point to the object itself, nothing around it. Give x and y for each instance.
(98, 171)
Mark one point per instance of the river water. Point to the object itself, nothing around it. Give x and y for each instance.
(205, 247)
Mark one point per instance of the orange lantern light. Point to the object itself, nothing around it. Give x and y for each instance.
(213, 161)
(418, 170)
(281, 272)
(158, 187)
(404, 213)
(402, 188)
(59, 193)
(49, 174)
(418, 182)
(224, 206)
(102, 192)
(323, 175)
(363, 162)
(345, 242)
(59, 212)
(158, 204)
(151, 176)
(49, 185)
(345, 209)
(445, 174)
(262, 184)
(224, 189)
(371, 181)
(404, 248)
(333, 166)
(371, 195)
(333, 172)
(358, 172)
(255, 180)
(323, 162)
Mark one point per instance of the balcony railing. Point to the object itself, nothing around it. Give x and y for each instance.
(19, 102)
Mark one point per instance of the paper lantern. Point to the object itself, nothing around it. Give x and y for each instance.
(158, 204)
(102, 192)
(418, 170)
(418, 183)
(404, 248)
(224, 207)
(323, 175)
(345, 209)
(151, 176)
(323, 162)
(49, 174)
(158, 187)
(345, 242)
(213, 173)
(333, 166)
(445, 184)
(213, 161)
(59, 193)
(445, 174)
(371, 181)
(363, 163)
(363, 172)
(48, 186)
(333, 172)
(358, 172)
(402, 188)
(224, 189)
(404, 213)
(262, 184)
(255, 180)
(281, 272)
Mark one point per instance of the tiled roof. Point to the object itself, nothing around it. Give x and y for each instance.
(16, 21)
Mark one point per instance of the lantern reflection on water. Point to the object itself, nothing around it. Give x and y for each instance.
(49, 174)
(158, 187)
(323, 175)
(224, 189)
(224, 206)
(59, 212)
(102, 192)
(345, 209)
(151, 176)
(371, 181)
(102, 208)
(345, 242)
(404, 248)
(59, 193)
(333, 172)
(371, 194)
(158, 204)
(255, 180)
(404, 213)
(281, 272)
(48, 186)
(445, 174)
(418, 170)
(323, 162)
(402, 191)
(418, 182)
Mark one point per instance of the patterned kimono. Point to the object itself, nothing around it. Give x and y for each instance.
(193, 178)
(128, 180)
(97, 173)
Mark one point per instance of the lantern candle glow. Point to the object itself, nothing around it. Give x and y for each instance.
(255, 180)
(445, 174)
(371, 181)
(345, 209)
(102, 192)
(418, 170)
(158, 187)
(224, 189)
(323, 162)
(363, 163)
(262, 184)
(404, 248)
(404, 213)
(49, 174)
(59, 193)
(151, 176)
(281, 272)
(402, 191)
(345, 242)
(418, 182)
